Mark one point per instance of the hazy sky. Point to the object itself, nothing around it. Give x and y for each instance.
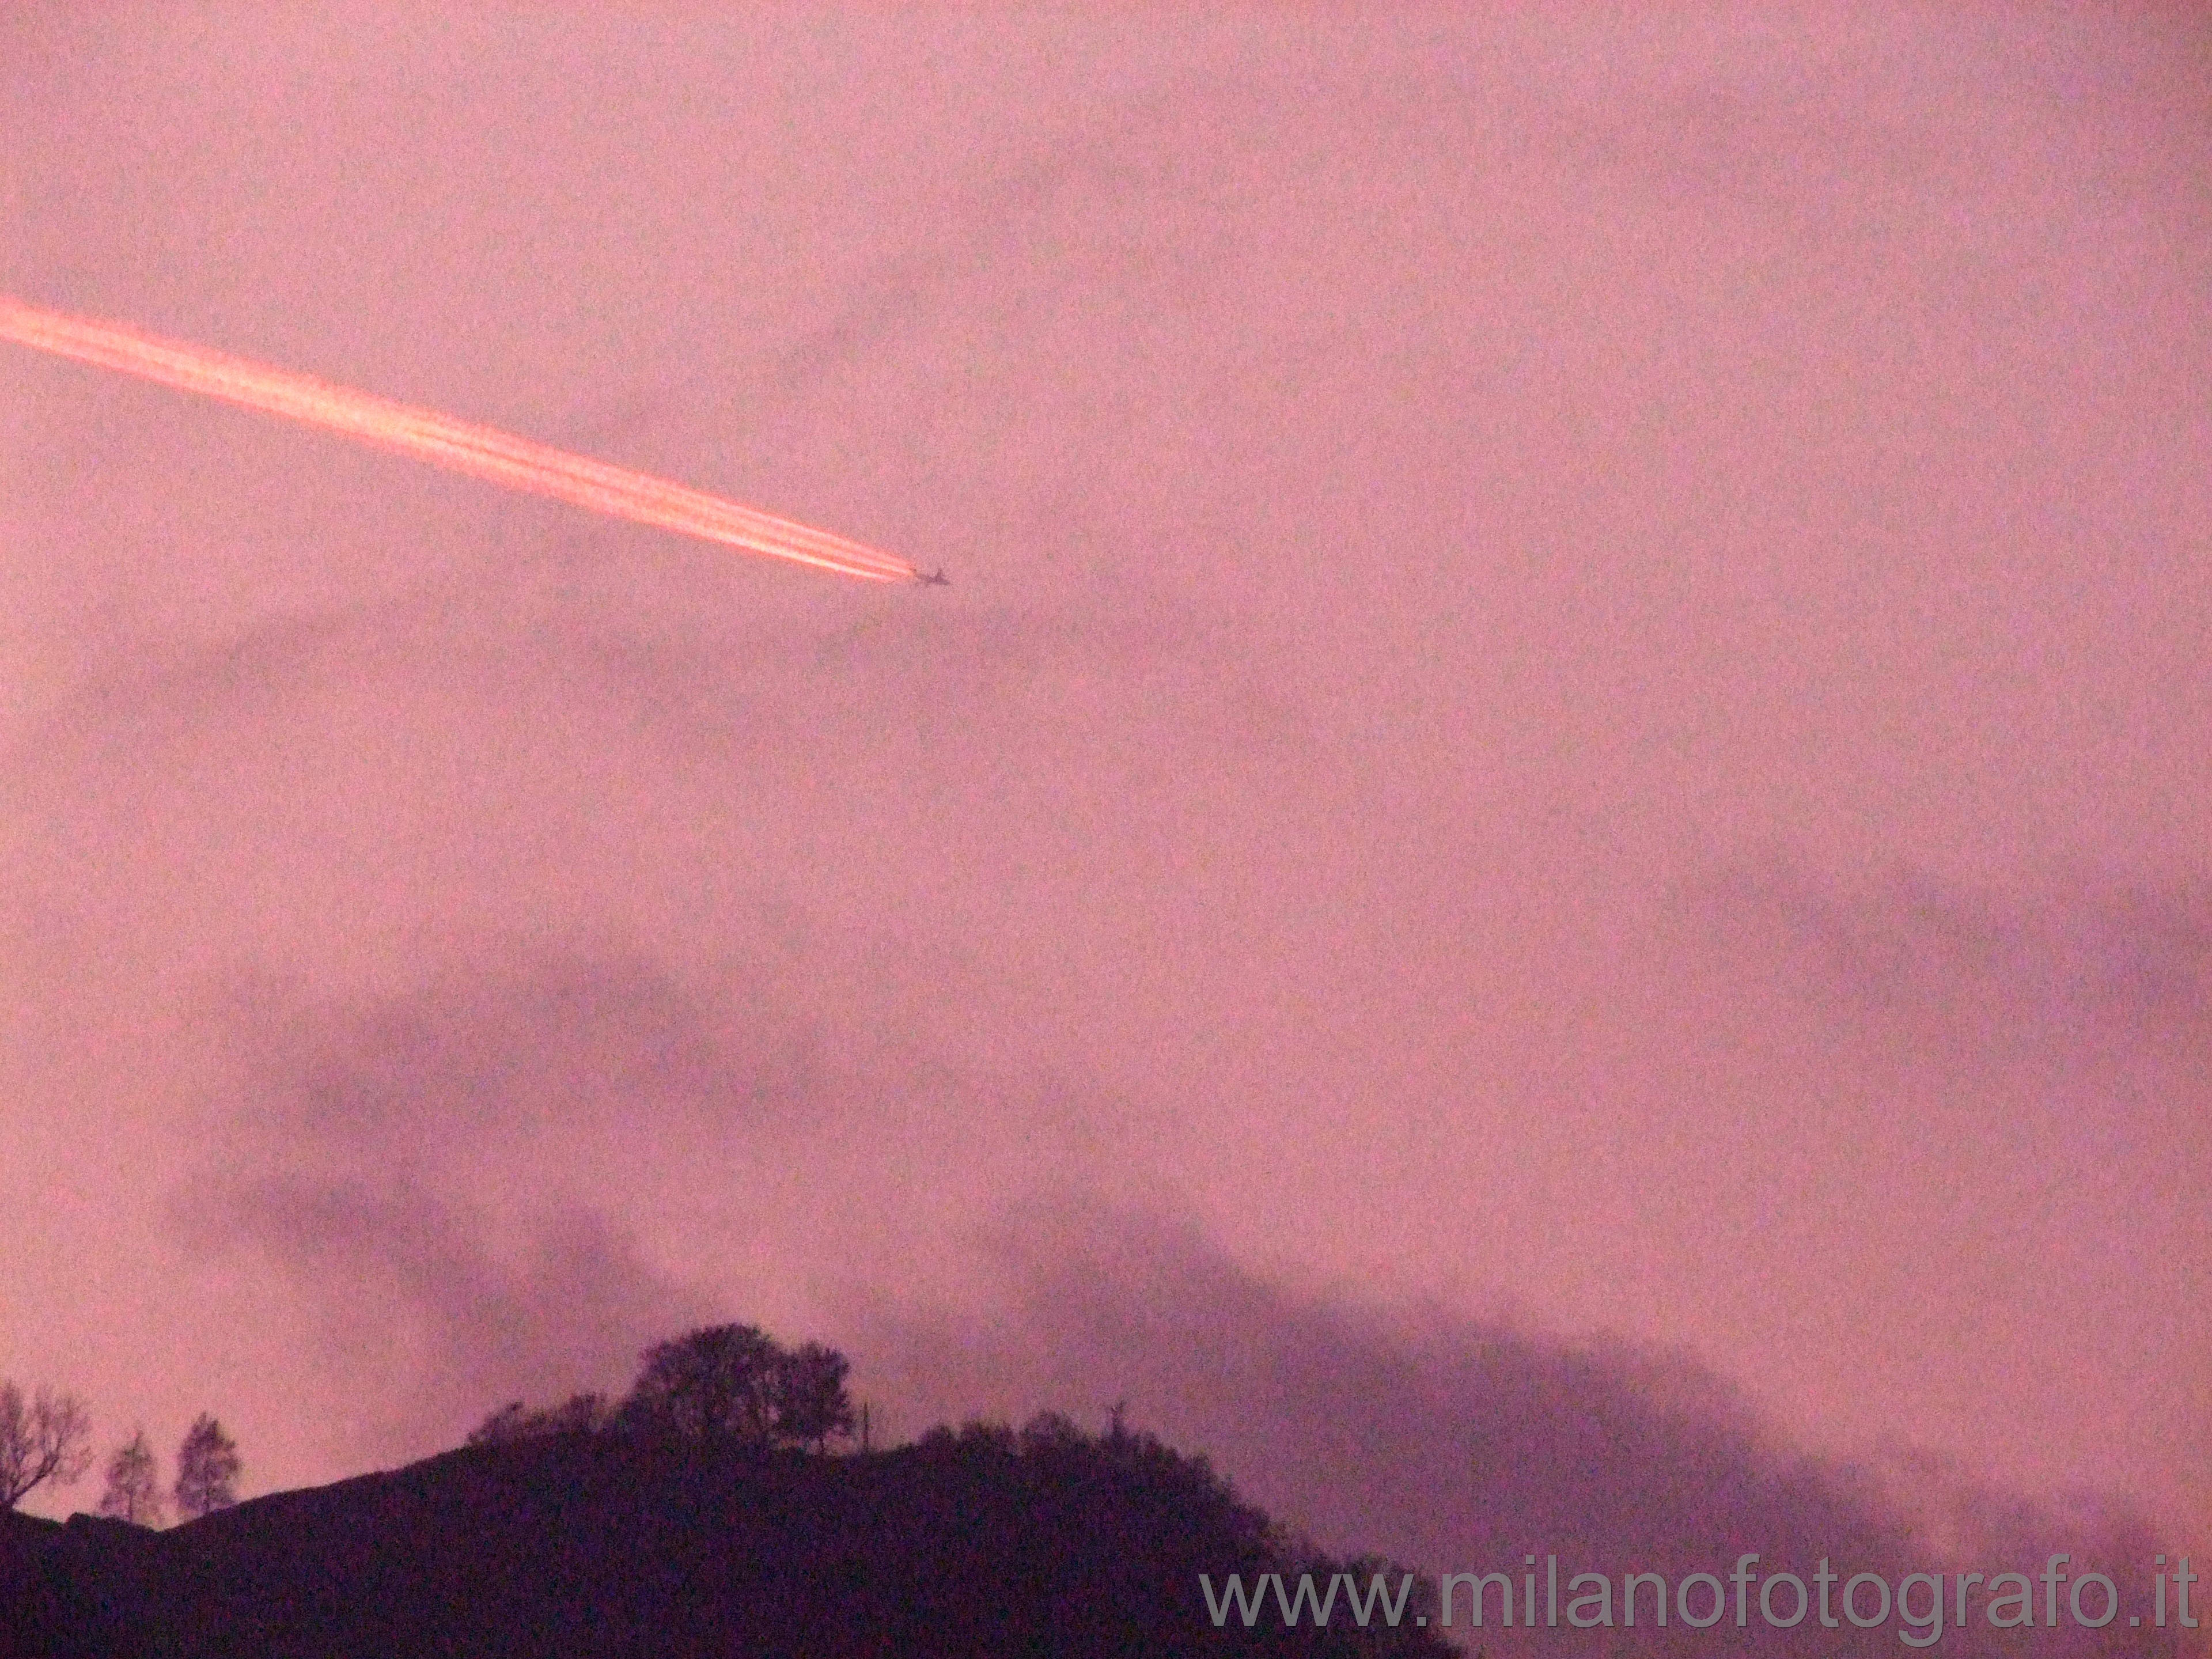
(1572, 724)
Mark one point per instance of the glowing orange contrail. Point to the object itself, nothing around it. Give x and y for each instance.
(444, 441)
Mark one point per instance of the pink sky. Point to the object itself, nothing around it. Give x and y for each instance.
(1575, 703)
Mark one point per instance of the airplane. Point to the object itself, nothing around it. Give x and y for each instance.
(934, 578)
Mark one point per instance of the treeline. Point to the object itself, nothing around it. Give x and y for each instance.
(732, 1382)
(45, 1439)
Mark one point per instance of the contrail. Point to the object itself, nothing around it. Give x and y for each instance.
(477, 450)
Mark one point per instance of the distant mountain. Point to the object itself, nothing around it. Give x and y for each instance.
(579, 1547)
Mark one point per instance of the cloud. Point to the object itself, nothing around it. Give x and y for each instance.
(505, 1040)
(792, 1031)
(508, 1169)
(650, 649)
(426, 1324)
(428, 1167)
(1449, 1442)
(2083, 958)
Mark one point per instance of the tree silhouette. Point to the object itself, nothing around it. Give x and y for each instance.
(509, 1423)
(584, 1413)
(49, 1440)
(812, 1405)
(207, 1468)
(716, 1383)
(134, 1483)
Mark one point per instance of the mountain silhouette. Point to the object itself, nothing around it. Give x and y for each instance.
(978, 1543)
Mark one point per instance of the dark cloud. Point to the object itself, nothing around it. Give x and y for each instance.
(501, 1043)
(492, 1045)
(2090, 958)
(345, 1143)
(495, 1060)
(425, 1324)
(1445, 1441)
(431, 1168)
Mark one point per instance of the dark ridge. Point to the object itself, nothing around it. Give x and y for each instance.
(979, 1544)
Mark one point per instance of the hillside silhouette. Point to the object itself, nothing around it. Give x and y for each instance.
(581, 1544)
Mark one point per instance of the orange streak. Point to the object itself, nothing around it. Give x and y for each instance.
(479, 451)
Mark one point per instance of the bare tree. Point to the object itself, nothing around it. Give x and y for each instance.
(50, 1439)
(716, 1382)
(812, 1405)
(207, 1469)
(134, 1483)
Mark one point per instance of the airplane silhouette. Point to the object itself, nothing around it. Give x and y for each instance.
(932, 578)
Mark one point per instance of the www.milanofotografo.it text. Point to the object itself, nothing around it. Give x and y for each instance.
(1917, 1603)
